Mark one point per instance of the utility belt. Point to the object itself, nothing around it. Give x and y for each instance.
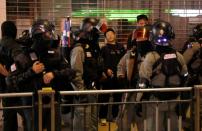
(166, 95)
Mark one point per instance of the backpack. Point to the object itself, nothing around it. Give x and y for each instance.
(195, 68)
(195, 63)
(166, 73)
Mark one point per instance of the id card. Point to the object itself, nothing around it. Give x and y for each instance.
(13, 68)
(33, 56)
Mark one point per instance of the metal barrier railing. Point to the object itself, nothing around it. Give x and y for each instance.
(194, 101)
(41, 105)
(18, 106)
(160, 90)
(11, 95)
(197, 110)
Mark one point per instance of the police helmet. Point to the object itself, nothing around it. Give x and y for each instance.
(41, 26)
(88, 24)
(25, 39)
(197, 31)
(80, 36)
(162, 33)
(142, 33)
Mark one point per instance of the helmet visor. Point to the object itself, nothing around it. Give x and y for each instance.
(142, 34)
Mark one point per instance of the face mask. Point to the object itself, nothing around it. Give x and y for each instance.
(163, 49)
(143, 47)
(41, 46)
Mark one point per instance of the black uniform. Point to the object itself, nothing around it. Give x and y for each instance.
(48, 53)
(10, 52)
(88, 60)
(111, 55)
(84, 59)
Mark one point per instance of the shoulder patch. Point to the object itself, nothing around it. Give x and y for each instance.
(33, 56)
(169, 56)
(51, 52)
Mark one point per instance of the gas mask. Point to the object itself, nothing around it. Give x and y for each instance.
(42, 44)
(142, 35)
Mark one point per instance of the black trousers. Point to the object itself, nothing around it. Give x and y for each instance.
(114, 109)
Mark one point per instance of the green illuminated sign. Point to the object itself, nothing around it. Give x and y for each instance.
(184, 12)
(111, 14)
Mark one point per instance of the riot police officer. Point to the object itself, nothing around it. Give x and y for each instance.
(127, 70)
(194, 38)
(84, 56)
(192, 55)
(51, 68)
(10, 53)
(163, 67)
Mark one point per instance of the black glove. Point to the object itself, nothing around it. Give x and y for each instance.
(190, 80)
(121, 81)
(143, 83)
(138, 110)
